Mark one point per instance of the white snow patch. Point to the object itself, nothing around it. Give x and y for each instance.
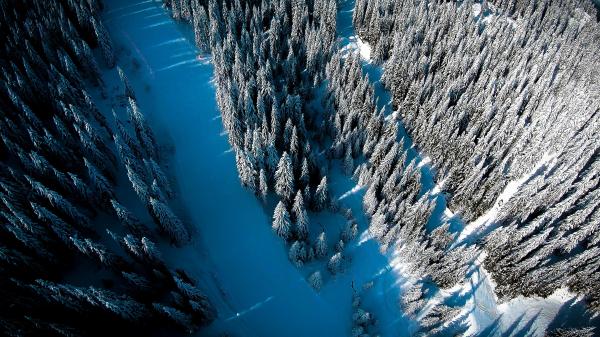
(448, 213)
(364, 237)
(476, 9)
(364, 49)
(437, 189)
(547, 161)
(525, 309)
(354, 190)
(356, 44)
(424, 161)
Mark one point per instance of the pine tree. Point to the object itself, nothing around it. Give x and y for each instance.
(128, 219)
(178, 317)
(281, 221)
(575, 332)
(284, 178)
(297, 253)
(316, 280)
(98, 180)
(321, 245)
(104, 41)
(304, 173)
(350, 231)
(168, 222)
(263, 186)
(321, 199)
(348, 164)
(128, 89)
(201, 26)
(335, 263)
(339, 246)
(300, 216)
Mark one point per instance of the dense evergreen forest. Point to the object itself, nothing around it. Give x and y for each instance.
(511, 93)
(66, 168)
(503, 98)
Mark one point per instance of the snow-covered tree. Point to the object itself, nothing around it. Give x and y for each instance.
(300, 216)
(316, 280)
(176, 316)
(104, 41)
(321, 199)
(321, 246)
(297, 253)
(281, 222)
(263, 186)
(126, 85)
(575, 332)
(168, 222)
(284, 178)
(348, 163)
(335, 263)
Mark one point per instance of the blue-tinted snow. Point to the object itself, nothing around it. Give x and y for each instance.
(234, 254)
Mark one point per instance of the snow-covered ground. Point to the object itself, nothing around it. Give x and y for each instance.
(234, 254)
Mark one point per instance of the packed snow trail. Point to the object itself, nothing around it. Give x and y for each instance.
(237, 259)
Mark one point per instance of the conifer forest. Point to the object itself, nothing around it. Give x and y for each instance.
(300, 168)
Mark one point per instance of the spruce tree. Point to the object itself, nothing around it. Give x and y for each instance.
(321, 199)
(300, 217)
(284, 178)
(281, 222)
(321, 246)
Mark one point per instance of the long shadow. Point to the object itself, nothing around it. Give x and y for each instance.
(526, 330)
(573, 314)
(508, 332)
(492, 330)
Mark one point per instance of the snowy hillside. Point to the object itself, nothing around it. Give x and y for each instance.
(299, 168)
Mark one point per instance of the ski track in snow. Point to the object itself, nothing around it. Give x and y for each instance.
(235, 257)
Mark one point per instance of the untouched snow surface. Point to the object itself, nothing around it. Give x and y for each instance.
(234, 255)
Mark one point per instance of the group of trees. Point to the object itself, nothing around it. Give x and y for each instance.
(395, 202)
(362, 320)
(490, 91)
(443, 319)
(268, 57)
(59, 207)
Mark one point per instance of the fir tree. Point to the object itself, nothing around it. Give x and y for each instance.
(300, 216)
(104, 41)
(316, 280)
(284, 178)
(168, 222)
(321, 199)
(335, 263)
(128, 89)
(321, 246)
(281, 222)
(263, 186)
